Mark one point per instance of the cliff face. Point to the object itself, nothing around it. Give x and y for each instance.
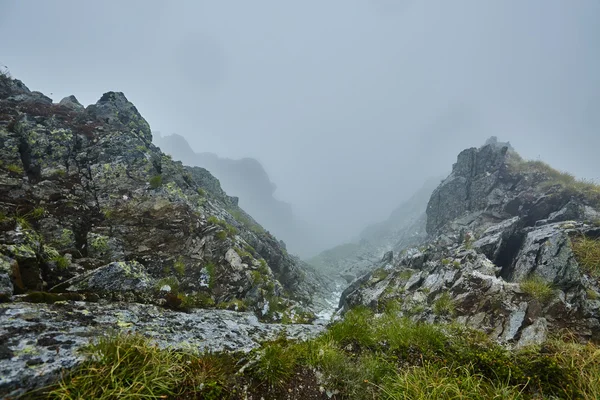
(508, 252)
(246, 179)
(90, 206)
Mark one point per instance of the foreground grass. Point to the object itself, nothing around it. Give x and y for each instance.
(365, 356)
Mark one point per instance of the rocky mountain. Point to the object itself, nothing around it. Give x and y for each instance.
(512, 249)
(246, 179)
(122, 266)
(89, 205)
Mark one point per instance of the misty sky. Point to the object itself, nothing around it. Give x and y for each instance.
(349, 104)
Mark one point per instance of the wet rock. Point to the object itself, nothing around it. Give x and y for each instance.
(68, 326)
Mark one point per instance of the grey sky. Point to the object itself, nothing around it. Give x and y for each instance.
(349, 104)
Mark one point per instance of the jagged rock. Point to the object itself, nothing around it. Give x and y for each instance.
(495, 223)
(124, 277)
(85, 188)
(546, 252)
(72, 103)
(52, 335)
(114, 109)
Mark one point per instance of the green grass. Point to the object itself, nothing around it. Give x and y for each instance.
(587, 254)
(444, 305)
(247, 222)
(585, 189)
(221, 235)
(363, 356)
(179, 267)
(275, 364)
(536, 287)
(156, 181)
(61, 262)
(15, 169)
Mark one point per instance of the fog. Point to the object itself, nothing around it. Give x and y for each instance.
(350, 105)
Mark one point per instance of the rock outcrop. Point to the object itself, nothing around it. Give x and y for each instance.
(499, 254)
(38, 342)
(89, 204)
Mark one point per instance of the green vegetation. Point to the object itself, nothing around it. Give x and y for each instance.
(156, 181)
(179, 267)
(379, 274)
(243, 254)
(211, 271)
(536, 287)
(61, 261)
(588, 190)
(246, 221)
(234, 305)
(49, 298)
(456, 264)
(201, 192)
(587, 254)
(275, 364)
(15, 169)
(170, 281)
(363, 357)
(228, 230)
(444, 305)
(187, 302)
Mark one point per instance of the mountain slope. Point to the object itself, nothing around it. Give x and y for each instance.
(513, 249)
(89, 205)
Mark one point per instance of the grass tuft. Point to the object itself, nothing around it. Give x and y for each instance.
(587, 254)
(536, 287)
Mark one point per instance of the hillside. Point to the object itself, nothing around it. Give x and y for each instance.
(512, 249)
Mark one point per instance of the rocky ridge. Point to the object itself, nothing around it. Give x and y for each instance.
(500, 253)
(100, 229)
(86, 200)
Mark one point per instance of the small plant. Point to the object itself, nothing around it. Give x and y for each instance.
(15, 169)
(536, 287)
(456, 264)
(234, 305)
(444, 305)
(211, 270)
(171, 282)
(99, 244)
(221, 235)
(379, 274)
(124, 366)
(275, 365)
(156, 181)
(587, 254)
(592, 294)
(406, 274)
(201, 192)
(61, 262)
(179, 267)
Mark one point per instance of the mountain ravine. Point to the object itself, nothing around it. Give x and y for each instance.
(106, 241)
